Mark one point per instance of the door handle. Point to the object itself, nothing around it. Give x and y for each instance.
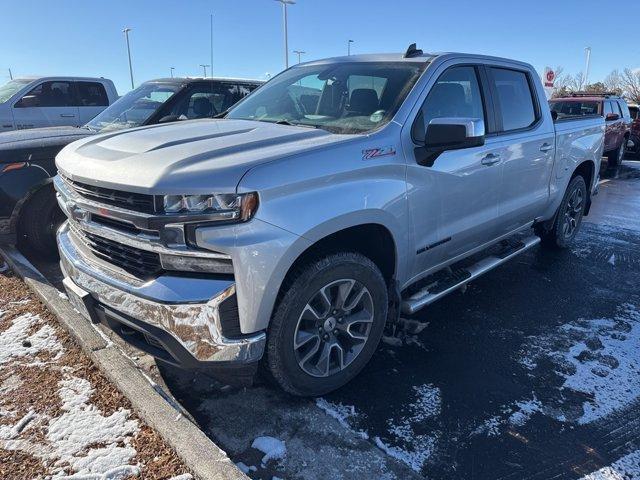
(546, 147)
(67, 115)
(490, 159)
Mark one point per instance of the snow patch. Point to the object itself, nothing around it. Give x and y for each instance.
(626, 468)
(273, 448)
(342, 413)
(16, 341)
(244, 468)
(184, 476)
(410, 446)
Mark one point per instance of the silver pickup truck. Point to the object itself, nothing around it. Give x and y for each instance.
(341, 195)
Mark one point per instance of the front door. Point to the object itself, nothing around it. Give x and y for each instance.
(49, 104)
(453, 203)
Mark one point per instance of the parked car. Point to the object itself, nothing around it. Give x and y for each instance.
(613, 108)
(53, 101)
(634, 145)
(27, 157)
(294, 229)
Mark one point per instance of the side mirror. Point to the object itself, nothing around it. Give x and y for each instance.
(169, 118)
(28, 101)
(449, 134)
(611, 117)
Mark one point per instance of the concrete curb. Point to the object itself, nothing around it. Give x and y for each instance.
(206, 460)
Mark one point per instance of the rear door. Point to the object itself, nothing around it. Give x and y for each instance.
(91, 98)
(612, 130)
(453, 203)
(49, 104)
(527, 145)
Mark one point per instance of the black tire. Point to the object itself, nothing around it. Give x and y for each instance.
(614, 157)
(282, 360)
(39, 220)
(559, 237)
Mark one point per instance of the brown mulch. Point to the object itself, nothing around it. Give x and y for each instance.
(155, 458)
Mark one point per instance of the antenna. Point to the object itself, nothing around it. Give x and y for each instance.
(412, 51)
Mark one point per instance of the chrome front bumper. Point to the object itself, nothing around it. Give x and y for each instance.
(186, 308)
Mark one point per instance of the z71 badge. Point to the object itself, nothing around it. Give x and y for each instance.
(378, 152)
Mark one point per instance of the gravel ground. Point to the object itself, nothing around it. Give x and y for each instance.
(59, 417)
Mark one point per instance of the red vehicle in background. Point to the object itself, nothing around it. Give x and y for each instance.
(634, 145)
(615, 111)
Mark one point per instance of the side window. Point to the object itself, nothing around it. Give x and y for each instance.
(624, 109)
(633, 111)
(515, 98)
(456, 94)
(607, 108)
(92, 94)
(49, 94)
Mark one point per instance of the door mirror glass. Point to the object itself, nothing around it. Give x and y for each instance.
(454, 133)
(28, 101)
(612, 116)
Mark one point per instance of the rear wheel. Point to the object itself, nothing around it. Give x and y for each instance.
(41, 216)
(569, 216)
(615, 157)
(327, 325)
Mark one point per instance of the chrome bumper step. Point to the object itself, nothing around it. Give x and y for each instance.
(445, 282)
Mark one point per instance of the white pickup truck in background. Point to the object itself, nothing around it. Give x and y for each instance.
(53, 101)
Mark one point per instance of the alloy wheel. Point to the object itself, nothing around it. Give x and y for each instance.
(333, 327)
(573, 212)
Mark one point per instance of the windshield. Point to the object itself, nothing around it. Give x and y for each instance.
(342, 98)
(573, 108)
(134, 108)
(8, 89)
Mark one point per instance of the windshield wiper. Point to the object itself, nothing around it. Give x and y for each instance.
(284, 122)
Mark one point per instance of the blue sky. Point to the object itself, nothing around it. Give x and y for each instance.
(79, 37)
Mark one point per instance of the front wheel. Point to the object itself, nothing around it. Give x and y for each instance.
(327, 324)
(40, 219)
(568, 217)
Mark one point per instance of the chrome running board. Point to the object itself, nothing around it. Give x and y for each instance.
(461, 277)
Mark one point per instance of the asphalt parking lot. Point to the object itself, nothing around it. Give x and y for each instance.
(532, 373)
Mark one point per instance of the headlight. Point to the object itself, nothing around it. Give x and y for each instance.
(222, 207)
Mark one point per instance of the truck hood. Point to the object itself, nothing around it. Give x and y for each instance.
(190, 157)
(17, 138)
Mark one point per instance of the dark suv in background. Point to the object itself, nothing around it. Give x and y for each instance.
(613, 108)
(634, 145)
(28, 207)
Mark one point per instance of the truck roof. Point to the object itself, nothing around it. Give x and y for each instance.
(203, 79)
(425, 57)
(61, 77)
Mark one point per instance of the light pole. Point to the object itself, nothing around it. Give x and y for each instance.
(211, 51)
(349, 42)
(172, 69)
(10, 75)
(585, 79)
(286, 35)
(204, 67)
(299, 53)
(126, 34)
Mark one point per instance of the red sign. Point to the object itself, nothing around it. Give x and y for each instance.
(549, 77)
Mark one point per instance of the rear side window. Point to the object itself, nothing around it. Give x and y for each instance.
(49, 94)
(633, 111)
(607, 108)
(92, 94)
(515, 98)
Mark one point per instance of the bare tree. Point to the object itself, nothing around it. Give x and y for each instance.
(567, 83)
(631, 84)
(614, 82)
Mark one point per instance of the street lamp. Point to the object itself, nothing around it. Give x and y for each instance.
(10, 75)
(286, 36)
(204, 67)
(585, 79)
(126, 34)
(172, 69)
(299, 53)
(349, 42)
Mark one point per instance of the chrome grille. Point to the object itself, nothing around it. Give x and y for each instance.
(138, 202)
